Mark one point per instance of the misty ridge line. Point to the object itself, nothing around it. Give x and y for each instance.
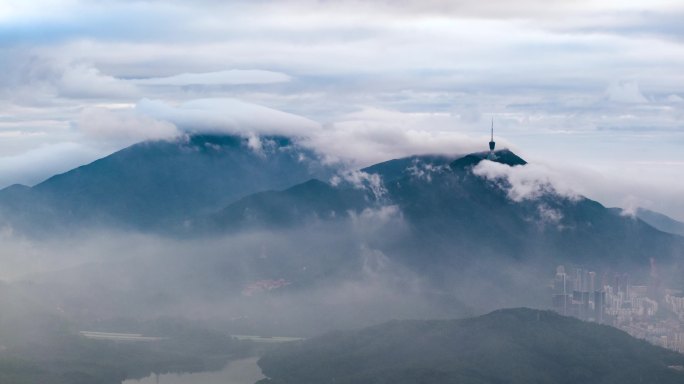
(266, 238)
(358, 178)
(196, 199)
(423, 217)
(261, 147)
(360, 196)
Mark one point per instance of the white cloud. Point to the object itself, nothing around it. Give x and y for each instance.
(625, 92)
(631, 205)
(372, 135)
(425, 171)
(228, 116)
(527, 182)
(371, 220)
(632, 184)
(83, 81)
(549, 215)
(227, 77)
(37, 164)
(254, 143)
(362, 180)
(627, 186)
(359, 138)
(123, 126)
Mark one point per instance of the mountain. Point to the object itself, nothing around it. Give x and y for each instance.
(292, 206)
(660, 221)
(398, 168)
(268, 229)
(458, 217)
(157, 184)
(445, 225)
(505, 346)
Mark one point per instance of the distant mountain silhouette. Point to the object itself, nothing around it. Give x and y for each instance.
(661, 221)
(160, 183)
(506, 346)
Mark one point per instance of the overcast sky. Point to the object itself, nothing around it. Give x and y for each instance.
(592, 91)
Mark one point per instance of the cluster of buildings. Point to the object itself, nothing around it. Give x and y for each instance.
(644, 311)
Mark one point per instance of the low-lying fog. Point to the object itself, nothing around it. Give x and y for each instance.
(295, 282)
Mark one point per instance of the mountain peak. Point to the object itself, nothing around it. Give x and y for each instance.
(158, 183)
(503, 156)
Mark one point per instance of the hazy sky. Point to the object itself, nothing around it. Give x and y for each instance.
(590, 91)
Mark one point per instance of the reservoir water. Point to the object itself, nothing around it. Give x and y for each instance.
(244, 371)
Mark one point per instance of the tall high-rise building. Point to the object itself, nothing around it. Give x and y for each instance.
(561, 291)
(599, 306)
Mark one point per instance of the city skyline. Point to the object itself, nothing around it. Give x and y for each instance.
(645, 311)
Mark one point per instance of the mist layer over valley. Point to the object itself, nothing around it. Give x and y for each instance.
(248, 235)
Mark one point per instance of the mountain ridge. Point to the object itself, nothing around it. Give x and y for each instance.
(449, 207)
(660, 221)
(450, 217)
(510, 345)
(159, 183)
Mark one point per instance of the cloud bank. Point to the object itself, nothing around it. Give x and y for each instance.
(227, 77)
(228, 116)
(123, 126)
(527, 182)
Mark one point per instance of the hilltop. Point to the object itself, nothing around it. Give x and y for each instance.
(506, 346)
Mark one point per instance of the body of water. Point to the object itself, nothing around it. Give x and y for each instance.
(243, 371)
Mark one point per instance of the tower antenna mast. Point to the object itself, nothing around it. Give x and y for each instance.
(492, 144)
